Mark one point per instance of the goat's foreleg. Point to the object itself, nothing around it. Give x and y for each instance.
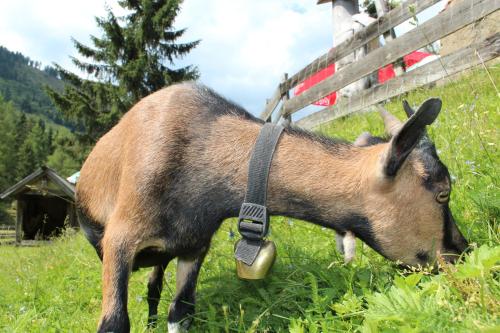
(346, 244)
(349, 246)
(155, 286)
(118, 257)
(182, 307)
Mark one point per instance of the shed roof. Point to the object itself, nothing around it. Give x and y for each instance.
(66, 187)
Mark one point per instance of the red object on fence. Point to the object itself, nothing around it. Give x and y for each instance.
(387, 72)
(414, 57)
(384, 74)
(315, 79)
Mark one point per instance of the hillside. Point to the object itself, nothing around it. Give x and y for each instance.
(32, 132)
(22, 81)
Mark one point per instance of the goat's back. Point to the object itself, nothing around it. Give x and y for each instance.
(140, 155)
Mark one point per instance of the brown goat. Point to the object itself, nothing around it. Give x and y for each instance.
(160, 183)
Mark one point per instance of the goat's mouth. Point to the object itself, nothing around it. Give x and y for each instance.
(451, 257)
(430, 268)
(430, 265)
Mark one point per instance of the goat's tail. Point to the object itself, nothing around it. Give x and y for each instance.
(92, 230)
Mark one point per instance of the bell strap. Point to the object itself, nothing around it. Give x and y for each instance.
(253, 220)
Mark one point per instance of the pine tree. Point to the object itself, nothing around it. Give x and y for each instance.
(21, 128)
(134, 57)
(39, 141)
(67, 155)
(8, 147)
(26, 143)
(26, 162)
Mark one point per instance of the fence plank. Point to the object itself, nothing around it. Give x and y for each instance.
(7, 227)
(453, 63)
(456, 17)
(383, 24)
(8, 236)
(271, 104)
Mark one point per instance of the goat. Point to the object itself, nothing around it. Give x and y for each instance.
(159, 184)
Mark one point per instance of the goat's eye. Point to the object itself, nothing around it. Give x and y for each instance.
(443, 197)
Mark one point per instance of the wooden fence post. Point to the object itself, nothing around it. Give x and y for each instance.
(382, 9)
(19, 221)
(72, 219)
(288, 117)
(268, 100)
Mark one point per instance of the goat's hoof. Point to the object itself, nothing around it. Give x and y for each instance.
(348, 259)
(152, 321)
(179, 327)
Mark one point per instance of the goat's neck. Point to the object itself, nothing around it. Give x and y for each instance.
(320, 184)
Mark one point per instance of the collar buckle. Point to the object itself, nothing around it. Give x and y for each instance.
(253, 221)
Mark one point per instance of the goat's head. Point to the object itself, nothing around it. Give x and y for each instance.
(408, 190)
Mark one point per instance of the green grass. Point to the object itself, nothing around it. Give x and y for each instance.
(56, 287)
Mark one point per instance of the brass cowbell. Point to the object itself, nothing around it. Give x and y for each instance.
(262, 264)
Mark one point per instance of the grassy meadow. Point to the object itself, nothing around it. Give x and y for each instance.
(56, 287)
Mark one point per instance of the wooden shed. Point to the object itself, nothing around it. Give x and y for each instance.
(45, 205)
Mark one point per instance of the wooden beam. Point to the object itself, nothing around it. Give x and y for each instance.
(72, 219)
(21, 205)
(451, 64)
(456, 17)
(287, 118)
(285, 97)
(271, 104)
(396, 16)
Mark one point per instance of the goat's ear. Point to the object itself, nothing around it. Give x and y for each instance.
(408, 109)
(409, 135)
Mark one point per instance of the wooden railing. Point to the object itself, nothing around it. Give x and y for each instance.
(463, 13)
(7, 234)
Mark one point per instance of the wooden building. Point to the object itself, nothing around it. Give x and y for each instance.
(45, 205)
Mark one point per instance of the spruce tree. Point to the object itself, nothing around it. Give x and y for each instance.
(8, 147)
(134, 57)
(26, 160)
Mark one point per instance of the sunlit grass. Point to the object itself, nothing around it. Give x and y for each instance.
(56, 287)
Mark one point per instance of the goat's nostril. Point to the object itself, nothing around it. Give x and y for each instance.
(443, 196)
(422, 256)
(451, 259)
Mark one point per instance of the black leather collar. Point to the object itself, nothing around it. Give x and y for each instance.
(253, 220)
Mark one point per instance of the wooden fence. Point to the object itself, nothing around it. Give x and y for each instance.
(463, 13)
(7, 234)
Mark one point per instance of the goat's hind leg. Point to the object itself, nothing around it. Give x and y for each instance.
(118, 256)
(183, 305)
(339, 242)
(155, 286)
